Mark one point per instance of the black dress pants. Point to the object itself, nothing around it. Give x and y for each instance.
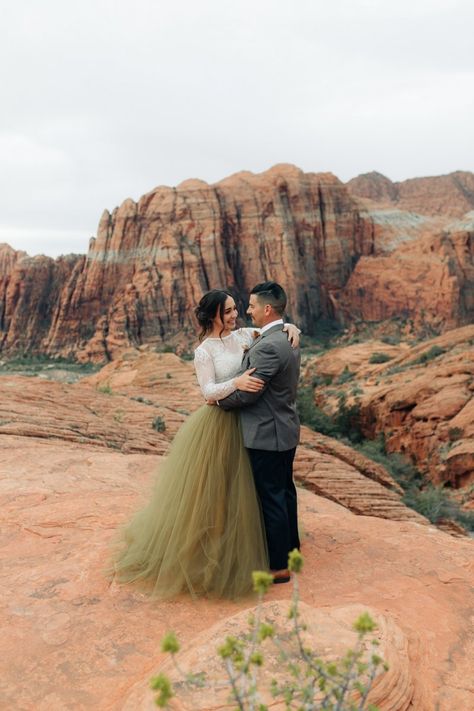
(273, 475)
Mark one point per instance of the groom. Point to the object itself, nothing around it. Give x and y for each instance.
(270, 423)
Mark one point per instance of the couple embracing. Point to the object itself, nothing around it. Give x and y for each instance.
(224, 502)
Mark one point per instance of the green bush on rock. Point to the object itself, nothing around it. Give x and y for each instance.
(308, 682)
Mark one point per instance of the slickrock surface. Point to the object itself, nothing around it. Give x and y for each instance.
(424, 409)
(116, 408)
(73, 640)
(329, 631)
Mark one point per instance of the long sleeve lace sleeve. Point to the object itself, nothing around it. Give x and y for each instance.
(206, 376)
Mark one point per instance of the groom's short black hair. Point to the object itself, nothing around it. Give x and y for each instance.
(269, 292)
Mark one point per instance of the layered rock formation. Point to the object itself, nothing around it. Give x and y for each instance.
(152, 260)
(341, 256)
(136, 404)
(442, 195)
(423, 271)
(421, 399)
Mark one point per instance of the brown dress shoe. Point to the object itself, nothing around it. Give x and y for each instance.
(280, 576)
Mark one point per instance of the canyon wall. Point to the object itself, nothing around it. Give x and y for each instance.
(340, 254)
(152, 260)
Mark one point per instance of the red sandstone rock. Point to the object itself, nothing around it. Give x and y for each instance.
(73, 640)
(152, 260)
(425, 410)
(451, 194)
(427, 282)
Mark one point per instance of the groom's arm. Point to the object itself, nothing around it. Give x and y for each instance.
(267, 362)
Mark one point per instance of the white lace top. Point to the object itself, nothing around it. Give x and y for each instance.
(218, 360)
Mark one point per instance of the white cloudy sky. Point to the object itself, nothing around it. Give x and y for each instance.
(106, 99)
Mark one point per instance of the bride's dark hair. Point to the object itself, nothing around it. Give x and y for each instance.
(211, 303)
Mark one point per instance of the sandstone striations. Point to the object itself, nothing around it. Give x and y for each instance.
(421, 399)
(340, 255)
(152, 260)
(136, 404)
(444, 195)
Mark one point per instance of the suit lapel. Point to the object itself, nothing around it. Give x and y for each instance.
(278, 327)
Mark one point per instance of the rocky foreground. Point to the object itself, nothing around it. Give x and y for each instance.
(75, 462)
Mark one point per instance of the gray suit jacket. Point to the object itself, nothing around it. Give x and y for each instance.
(269, 418)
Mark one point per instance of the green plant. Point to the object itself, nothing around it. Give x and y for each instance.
(433, 502)
(345, 376)
(313, 416)
(379, 357)
(308, 681)
(105, 389)
(343, 424)
(428, 355)
(325, 379)
(159, 424)
(168, 376)
(455, 433)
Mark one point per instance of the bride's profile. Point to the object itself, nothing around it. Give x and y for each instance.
(202, 530)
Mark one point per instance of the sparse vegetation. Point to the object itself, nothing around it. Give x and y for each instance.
(380, 357)
(319, 380)
(434, 502)
(105, 389)
(307, 681)
(159, 424)
(30, 364)
(345, 376)
(342, 425)
(455, 433)
(428, 355)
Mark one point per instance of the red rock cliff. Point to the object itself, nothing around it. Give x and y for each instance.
(339, 255)
(152, 260)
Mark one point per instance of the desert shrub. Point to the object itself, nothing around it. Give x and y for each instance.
(319, 380)
(428, 355)
(105, 389)
(309, 682)
(159, 424)
(379, 357)
(434, 502)
(313, 416)
(392, 340)
(455, 433)
(345, 376)
(342, 425)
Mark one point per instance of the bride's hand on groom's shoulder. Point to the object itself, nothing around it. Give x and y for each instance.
(293, 334)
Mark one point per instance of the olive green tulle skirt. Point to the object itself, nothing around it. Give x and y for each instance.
(202, 529)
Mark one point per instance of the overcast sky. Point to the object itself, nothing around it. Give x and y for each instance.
(105, 99)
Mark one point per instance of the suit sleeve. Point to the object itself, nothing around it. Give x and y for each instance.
(267, 362)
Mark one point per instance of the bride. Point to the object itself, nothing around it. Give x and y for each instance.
(202, 530)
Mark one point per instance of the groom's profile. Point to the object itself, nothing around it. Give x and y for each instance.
(270, 424)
